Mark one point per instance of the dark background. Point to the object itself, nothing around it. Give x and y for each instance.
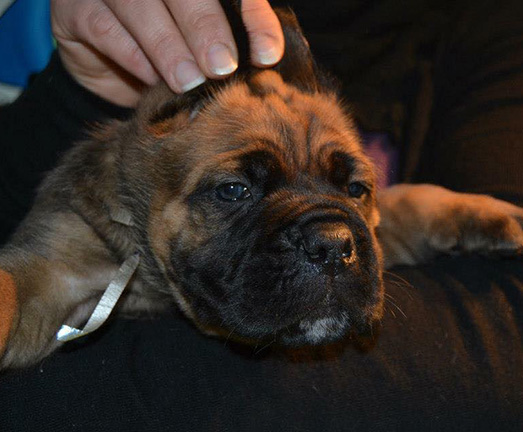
(445, 80)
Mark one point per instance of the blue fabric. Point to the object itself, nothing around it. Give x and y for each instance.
(26, 42)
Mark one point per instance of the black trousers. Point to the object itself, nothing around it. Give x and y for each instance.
(449, 354)
(449, 357)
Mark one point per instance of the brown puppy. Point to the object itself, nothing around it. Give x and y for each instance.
(250, 203)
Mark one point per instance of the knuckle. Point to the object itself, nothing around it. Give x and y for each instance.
(166, 53)
(130, 3)
(134, 58)
(100, 23)
(205, 22)
(65, 18)
(163, 44)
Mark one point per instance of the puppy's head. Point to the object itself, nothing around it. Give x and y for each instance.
(260, 207)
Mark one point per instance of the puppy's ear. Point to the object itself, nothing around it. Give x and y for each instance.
(161, 103)
(161, 111)
(297, 66)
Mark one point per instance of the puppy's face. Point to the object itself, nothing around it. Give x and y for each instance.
(266, 227)
(263, 213)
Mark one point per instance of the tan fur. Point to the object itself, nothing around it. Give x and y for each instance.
(168, 126)
(421, 221)
(59, 278)
(8, 306)
(69, 247)
(215, 139)
(166, 217)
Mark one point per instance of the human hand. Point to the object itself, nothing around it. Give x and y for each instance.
(116, 47)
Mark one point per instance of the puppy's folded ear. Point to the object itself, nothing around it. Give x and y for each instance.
(297, 67)
(161, 104)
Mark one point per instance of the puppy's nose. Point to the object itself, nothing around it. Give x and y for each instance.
(328, 243)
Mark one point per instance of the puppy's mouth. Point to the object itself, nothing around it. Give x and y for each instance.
(309, 284)
(307, 306)
(318, 323)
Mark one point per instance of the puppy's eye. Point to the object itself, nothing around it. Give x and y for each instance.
(233, 192)
(357, 190)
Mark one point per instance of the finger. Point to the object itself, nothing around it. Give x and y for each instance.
(265, 33)
(93, 23)
(153, 27)
(205, 27)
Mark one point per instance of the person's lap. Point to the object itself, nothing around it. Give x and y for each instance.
(449, 357)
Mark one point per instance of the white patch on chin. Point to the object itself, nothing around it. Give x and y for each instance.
(316, 331)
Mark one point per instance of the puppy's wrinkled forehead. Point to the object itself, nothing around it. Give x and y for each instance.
(301, 130)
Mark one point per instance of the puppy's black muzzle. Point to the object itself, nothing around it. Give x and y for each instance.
(322, 235)
(328, 245)
(303, 272)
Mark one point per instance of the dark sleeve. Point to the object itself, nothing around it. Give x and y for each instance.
(474, 139)
(54, 112)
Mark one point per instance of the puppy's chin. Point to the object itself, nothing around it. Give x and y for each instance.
(329, 327)
(318, 331)
(284, 295)
(307, 332)
(316, 323)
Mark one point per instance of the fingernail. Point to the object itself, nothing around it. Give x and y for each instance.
(221, 60)
(188, 75)
(266, 50)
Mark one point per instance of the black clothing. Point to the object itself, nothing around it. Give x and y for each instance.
(449, 355)
(443, 78)
(449, 360)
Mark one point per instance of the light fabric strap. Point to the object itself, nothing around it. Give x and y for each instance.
(106, 304)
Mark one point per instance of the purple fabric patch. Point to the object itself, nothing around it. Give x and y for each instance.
(384, 155)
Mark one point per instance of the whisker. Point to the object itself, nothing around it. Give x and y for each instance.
(264, 347)
(233, 329)
(400, 282)
(386, 294)
(400, 278)
(396, 306)
(392, 312)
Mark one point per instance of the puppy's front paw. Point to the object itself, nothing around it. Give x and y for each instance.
(476, 224)
(421, 221)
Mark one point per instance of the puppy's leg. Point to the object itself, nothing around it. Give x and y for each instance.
(421, 221)
(52, 272)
